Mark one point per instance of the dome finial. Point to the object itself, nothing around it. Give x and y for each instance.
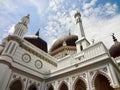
(64, 43)
(25, 20)
(37, 33)
(114, 38)
(69, 32)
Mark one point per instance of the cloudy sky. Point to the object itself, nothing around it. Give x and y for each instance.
(55, 18)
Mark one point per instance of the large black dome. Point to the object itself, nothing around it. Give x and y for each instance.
(69, 39)
(37, 41)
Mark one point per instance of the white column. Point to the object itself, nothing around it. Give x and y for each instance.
(113, 77)
(5, 73)
(82, 42)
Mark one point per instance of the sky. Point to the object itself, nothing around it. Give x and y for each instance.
(55, 18)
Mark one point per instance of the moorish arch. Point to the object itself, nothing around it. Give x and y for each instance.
(32, 87)
(101, 81)
(50, 87)
(63, 86)
(79, 84)
(16, 85)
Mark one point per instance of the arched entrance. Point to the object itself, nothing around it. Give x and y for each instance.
(32, 87)
(63, 87)
(16, 85)
(102, 83)
(80, 85)
(51, 88)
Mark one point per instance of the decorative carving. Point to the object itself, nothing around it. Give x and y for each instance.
(73, 78)
(67, 79)
(30, 81)
(14, 76)
(38, 64)
(26, 58)
(59, 82)
(91, 73)
(24, 79)
(84, 75)
(38, 84)
(105, 69)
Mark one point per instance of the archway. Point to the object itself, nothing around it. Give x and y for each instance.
(16, 85)
(32, 87)
(51, 88)
(80, 85)
(102, 83)
(63, 87)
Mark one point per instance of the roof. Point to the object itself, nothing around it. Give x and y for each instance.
(69, 39)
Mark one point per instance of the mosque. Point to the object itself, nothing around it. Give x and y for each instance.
(72, 63)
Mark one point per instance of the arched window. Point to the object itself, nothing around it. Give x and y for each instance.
(102, 83)
(63, 87)
(80, 85)
(51, 88)
(32, 87)
(16, 85)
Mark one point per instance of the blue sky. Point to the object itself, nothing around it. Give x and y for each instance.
(55, 18)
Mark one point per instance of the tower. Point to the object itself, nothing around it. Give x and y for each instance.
(21, 28)
(82, 42)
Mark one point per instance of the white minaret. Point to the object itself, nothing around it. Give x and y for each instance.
(21, 28)
(82, 42)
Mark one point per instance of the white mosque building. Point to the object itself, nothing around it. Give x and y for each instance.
(71, 64)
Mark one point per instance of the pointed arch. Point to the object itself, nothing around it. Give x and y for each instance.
(101, 79)
(32, 87)
(51, 87)
(79, 84)
(102, 73)
(16, 85)
(63, 86)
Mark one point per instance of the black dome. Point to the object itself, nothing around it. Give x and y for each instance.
(69, 39)
(37, 41)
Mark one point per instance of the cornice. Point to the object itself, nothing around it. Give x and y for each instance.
(62, 49)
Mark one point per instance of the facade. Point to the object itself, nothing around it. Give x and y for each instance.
(71, 64)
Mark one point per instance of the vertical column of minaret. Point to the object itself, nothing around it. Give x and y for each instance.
(82, 42)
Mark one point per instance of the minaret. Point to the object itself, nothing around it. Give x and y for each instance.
(82, 42)
(21, 28)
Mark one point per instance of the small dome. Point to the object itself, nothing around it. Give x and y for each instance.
(115, 48)
(37, 41)
(70, 41)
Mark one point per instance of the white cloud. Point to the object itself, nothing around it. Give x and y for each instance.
(11, 29)
(88, 5)
(97, 21)
(102, 29)
(7, 5)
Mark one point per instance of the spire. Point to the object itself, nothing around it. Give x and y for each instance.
(77, 14)
(37, 33)
(80, 31)
(114, 38)
(25, 20)
(69, 32)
